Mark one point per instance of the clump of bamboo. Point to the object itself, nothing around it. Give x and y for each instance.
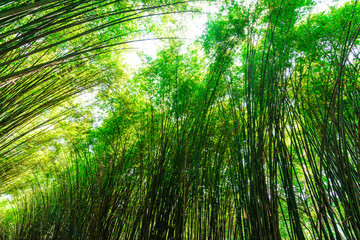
(262, 149)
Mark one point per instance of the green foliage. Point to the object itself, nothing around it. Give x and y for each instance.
(252, 135)
(50, 51)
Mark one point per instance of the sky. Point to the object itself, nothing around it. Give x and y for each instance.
(324, 5)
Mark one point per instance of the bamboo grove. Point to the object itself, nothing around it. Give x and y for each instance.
(250, 132)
